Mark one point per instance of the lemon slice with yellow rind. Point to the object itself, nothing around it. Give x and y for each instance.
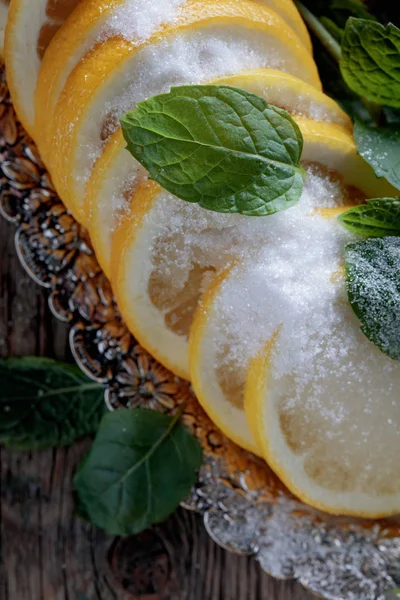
(79, 34)
(329, 425)
(218, 387)
(30, 28)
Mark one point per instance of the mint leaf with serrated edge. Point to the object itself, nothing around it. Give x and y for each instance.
(380, 217)
(222, 147)
(141, 466)
(45, 403)
(370, 62)
(373, 285)
(380, 147)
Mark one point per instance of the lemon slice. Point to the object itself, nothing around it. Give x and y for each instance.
(108, 195)
(111, 78)
(30, 28)
(217, 380)
(3, 22)
(291, 93)
(116, 173)
(93, 22)
(332, 146)
(156, 306)
(165, 253)
(288, 11)
(322, 401)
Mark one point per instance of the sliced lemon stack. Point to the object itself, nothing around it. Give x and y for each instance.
(116, 175)
(234, 320)
(253, 311)
(220, 346)
(95, 21)
(165, 251)
(114, 76)
(30, 28)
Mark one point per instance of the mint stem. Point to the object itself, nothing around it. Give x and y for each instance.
(334, 49)
(326, 39)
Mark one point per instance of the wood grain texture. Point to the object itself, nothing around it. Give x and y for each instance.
(47, 553)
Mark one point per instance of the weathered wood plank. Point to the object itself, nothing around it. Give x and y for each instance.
(47, 553)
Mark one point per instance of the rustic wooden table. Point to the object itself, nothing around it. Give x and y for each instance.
(47, 553)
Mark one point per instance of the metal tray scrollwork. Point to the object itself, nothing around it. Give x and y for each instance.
(246, 509)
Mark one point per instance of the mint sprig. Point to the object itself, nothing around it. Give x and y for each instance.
(222, 147)
(379, 217)
(373, 285)
(46, 404)
(380, 147)
(141, 466)
(370, 61)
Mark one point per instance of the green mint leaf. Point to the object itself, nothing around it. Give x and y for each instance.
(380, 217)
(373, 285)
(380, 147)
(370, 62)
(45, 403)
(224, 148)
(141, 466)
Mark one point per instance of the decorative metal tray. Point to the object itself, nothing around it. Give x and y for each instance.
(246, 509)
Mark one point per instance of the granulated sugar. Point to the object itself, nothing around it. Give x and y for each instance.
(187, 235)
(286, 279)
(136, 20)
(325, 376)
(187, 58)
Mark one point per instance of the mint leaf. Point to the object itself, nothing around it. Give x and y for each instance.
(373, 285)
(224, 148)
(380, 217)
(380, 147)
(45, 403)
(141, 466)
(370, 62)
